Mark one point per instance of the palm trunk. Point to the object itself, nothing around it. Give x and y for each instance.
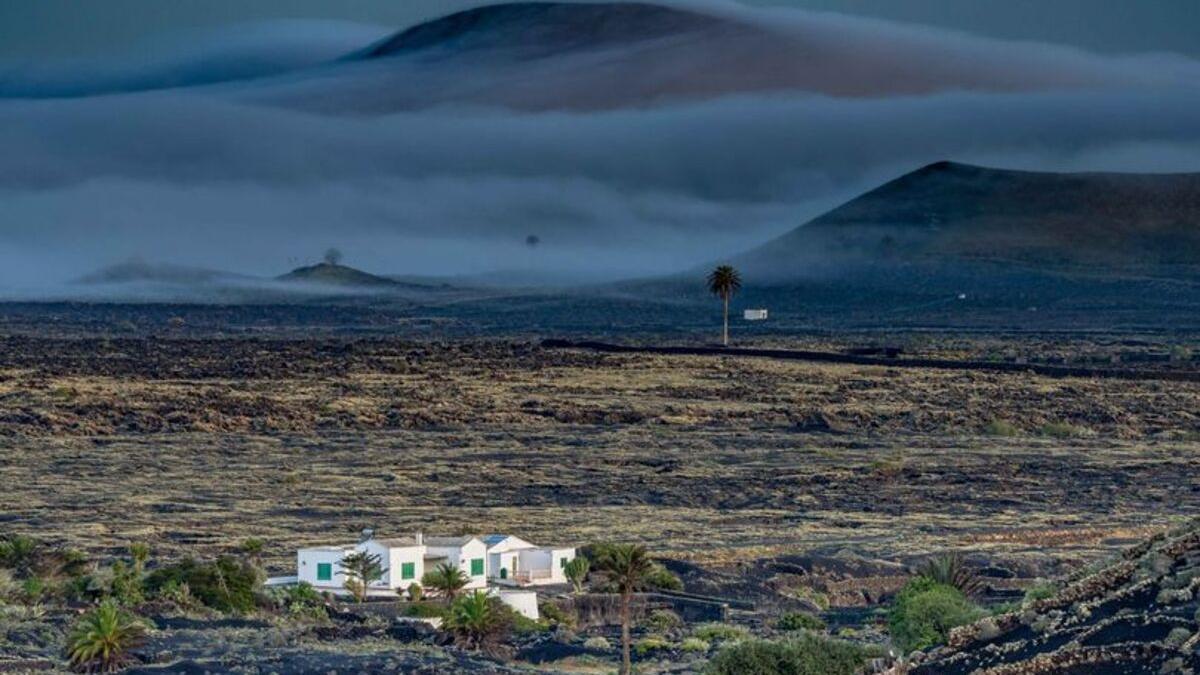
(626, 661)
(725, 328)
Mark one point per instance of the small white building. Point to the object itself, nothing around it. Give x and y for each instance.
(755, 315)
(495, 558)
(514, 561)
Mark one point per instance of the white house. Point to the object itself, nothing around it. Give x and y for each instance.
(755, 315)
(514, 561)
(402, 559)
(467, 553)
(501, 559)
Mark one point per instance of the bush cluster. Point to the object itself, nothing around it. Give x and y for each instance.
(924, 611)
(805, 654)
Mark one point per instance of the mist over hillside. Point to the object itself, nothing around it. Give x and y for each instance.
(629, 140)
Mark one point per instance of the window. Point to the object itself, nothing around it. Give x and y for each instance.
(562, 562)
(476, 567)
(408, 570)
(324, 571)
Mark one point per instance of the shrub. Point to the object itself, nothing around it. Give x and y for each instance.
(662, 620)
(554, 614)
(227, 584)
(713, 632)
(102, 638)
(19, 554)
(1002, 428)
(651, 643)
(415, 592)
(694, 645)
(1039, 591)
(800, 621)
(662, 578)
(598, 642)
(805, 654)
(924, 611)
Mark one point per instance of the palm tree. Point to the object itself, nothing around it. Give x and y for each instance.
(576, 572)
(102, 638)
(724, 282)
(445, 579)
(361, 570)
(625, 568)
(477, 620)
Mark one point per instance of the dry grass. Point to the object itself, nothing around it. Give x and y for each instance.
(195, 446)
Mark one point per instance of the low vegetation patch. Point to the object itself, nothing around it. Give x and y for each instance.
(718, 632)
(800, 621)
(924, 611)
(805, 654)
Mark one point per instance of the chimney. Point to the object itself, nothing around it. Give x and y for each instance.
(420, 539)
(367, 535)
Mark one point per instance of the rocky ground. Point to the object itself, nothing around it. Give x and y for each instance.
(786, 485)
(1139, 614)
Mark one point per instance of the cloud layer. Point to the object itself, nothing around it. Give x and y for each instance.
(428, 170)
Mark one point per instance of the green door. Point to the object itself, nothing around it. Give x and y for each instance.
(503, 572)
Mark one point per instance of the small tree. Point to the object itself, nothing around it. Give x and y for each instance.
(478, 621)
(361, 570)
(625, 568)
(724, 282)
(415, 592)
(576, 572)
(101, 639)
(333, 256)
(446, 579)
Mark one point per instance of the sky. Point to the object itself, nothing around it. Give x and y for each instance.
(37, 29)
(247, 143)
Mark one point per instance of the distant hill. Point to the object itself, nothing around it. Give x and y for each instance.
(331, 274)
(139, 271)
(949, 213)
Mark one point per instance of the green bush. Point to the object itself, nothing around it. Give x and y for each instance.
(662, 620)
(924, 611)
(598, 642)
(804, 654)
(553, 614)
(651, 643)
(800, 621)
(662, 578)
(226, 584)
(713, 632)
(1039, 591)
(694, 645)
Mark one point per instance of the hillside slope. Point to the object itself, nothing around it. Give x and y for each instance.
(949, 212)
(1138, 615)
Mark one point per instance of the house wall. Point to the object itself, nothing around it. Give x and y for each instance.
(462, 557)
(308, 562)
(395, 560)
(502, 565)
(559, 557)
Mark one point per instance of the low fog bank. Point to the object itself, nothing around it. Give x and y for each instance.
(234, 178)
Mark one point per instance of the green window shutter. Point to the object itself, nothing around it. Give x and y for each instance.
(408, 570)
(562, 562)
(324, 571)
(476, 567)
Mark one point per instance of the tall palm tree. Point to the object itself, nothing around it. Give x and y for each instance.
(446, 579)
(724, 282)
(625, 568)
